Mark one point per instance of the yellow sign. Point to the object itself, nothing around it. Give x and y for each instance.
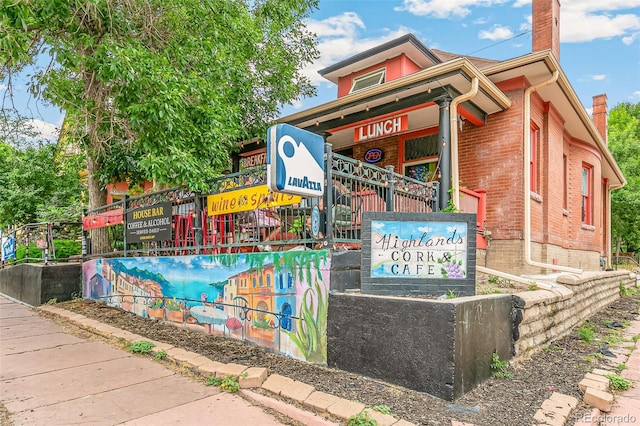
(241, 200)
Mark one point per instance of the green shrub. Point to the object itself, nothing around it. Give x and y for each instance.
(617, 382)
(498, 367)
(587, 333)
(64, 249)
(141, 347)
(361, 419)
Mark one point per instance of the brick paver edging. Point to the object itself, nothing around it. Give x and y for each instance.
(249, 377)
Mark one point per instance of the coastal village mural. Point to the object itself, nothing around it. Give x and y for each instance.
(276, 300)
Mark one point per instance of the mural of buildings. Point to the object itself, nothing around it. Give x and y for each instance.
(254, 297)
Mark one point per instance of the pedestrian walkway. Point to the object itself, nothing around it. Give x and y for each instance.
(49, 377)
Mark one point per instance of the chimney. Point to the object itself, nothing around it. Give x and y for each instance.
(546, 26)
(600, 115)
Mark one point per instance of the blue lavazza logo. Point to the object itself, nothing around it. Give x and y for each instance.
(8, 248)
(295, 161)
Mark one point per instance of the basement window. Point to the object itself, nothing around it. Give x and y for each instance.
(365, 81)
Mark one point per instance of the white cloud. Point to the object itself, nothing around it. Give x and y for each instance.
(45, 130)
(628, 40)
(635, 94)
(598, 77)
(497, 32)
(338, 39)
(444, 8)
(587, 20)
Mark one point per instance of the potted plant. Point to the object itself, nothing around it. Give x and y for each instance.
(174, 310)
(155, 309)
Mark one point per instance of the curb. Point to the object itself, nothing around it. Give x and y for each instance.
(319, 403)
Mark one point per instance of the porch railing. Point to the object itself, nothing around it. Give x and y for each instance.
(352, 187)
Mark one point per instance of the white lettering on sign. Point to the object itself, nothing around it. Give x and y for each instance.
(381, 128)
(254, 160)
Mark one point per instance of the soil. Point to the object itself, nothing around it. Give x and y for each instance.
(508, 401)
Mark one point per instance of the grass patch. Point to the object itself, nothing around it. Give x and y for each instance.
(587, 333)
(617, 382)
(499, 367)
(141, 347)
(229, 383)
(361, 419)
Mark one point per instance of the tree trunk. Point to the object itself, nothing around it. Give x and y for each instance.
(97, 199)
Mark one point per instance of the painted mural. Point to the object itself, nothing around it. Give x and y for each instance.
(277, 300)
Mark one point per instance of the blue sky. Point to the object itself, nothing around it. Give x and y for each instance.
(599, 50)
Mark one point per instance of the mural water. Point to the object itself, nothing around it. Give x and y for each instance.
(277, 300)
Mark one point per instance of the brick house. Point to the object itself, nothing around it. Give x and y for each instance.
(508, 139)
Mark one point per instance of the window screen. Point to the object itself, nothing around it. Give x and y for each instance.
(422, 147)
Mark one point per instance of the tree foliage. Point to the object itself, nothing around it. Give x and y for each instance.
(38, 184)
(624, 143)
(160, 90)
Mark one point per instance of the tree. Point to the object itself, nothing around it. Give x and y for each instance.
(624, 143)
(38, 184)
(161, 90)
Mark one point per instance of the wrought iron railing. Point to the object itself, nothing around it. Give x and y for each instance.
(352, 187)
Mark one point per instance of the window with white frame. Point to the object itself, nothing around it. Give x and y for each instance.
(365, 81)
(587, 194)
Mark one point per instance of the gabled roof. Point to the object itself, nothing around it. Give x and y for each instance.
(407, 44)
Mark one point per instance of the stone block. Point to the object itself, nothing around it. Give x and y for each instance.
(275, 383)
(209, 367)
(253, 377)
(559, 407)
(380, 418)
(297, 391)
(403, 423)
(588, 383)
(597, 378)
(320, 400)
(550, 418)
(567, 399)
(599, 399)
(230, 368)
(344, 408)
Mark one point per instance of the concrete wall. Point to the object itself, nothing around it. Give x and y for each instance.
(441, 347)
(549, 314)
(36, 284)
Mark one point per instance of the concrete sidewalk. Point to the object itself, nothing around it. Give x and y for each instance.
(48, 377)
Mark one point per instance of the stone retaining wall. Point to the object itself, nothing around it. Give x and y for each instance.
(550, 314)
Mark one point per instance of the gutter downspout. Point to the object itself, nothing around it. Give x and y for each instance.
(453, 118)
(527, 178)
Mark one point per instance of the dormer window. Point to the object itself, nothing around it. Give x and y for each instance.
(365, 81)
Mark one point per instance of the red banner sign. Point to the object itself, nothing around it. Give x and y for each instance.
(100, 220)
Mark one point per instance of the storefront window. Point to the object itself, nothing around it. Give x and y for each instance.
(420, 159)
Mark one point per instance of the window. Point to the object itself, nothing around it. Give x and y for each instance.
(420, 158)
(533, 161)
(565, 181)
(254, 282)
(268, 280)
(261, 281)
(587, 194)
(365, 81)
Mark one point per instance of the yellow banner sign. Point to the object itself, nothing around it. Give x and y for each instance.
(245, 199)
